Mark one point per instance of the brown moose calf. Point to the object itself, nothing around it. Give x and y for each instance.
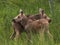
(40, 26)
(17, 26)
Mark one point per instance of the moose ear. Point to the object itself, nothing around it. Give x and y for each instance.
(21, 11)
(41, 10)
(19, 17)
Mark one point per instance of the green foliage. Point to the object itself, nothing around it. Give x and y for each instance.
(10, 8)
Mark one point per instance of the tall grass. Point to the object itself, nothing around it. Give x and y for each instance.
(10, 8)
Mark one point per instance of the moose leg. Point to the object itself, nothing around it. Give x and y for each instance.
(42, 32)
(13, 34)
(50, 37)
(47, 31)
(49, 34)
(17, 33)
(41, 35)
(28, 32)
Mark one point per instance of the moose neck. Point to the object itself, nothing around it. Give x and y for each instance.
(24, 22)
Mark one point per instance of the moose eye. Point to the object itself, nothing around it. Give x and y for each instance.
(18, 16)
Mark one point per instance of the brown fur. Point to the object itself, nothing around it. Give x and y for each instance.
(18, 28)
(40, 26)
(23, 23)
(39, 16)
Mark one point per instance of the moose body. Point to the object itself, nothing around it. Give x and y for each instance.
(36, 23)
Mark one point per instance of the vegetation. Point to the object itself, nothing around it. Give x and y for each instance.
(10, 8)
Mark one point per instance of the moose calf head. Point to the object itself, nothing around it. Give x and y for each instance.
(19, 17)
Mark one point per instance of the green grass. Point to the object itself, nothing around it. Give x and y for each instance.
(10, 8)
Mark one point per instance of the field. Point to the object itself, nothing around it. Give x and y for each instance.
(10, 8)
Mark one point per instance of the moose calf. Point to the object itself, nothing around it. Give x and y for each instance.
(17, 26)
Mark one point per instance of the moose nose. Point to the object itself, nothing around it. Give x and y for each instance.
(50, 20)
(13, 20)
